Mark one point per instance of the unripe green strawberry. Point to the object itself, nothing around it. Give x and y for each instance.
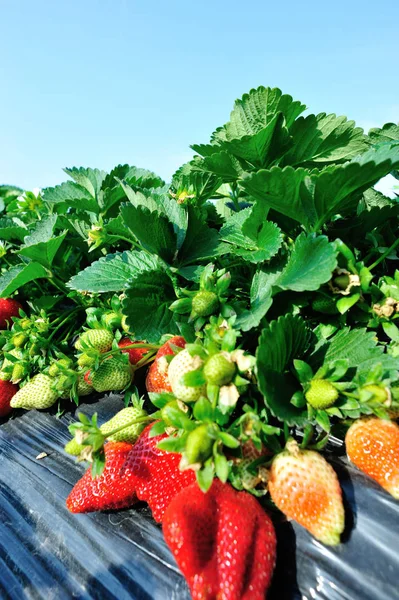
(19, 339)
(205, 303)
(181, 364)
(112, 320)
(324, 305)
(53, 370)
(4, 374)
(219, 369)
(321, 394)
(73, 447)
(112, 375)
(199, 444)
(381, 394)
(101, 339)
(173, 415)
(128, 434)
(18, 373)
(25, 323)
(34, 350)
(37, 393)
(123, 417)
(83, 388)
(85, 360)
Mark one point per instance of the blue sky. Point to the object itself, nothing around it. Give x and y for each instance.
(101, 82)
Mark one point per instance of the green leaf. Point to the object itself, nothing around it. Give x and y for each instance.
(221, 466)
(345, 303)
(262, 148)
(279, 344)
(205, 476)
(261, 300)
(146, 305)
(358, 346)
(201, 241)
(42, 232)
(72, 195)
(10, 229)
(311, 263)
(222, 164)
(90, 179)
(391, 330)
(153, 230)
(324, 139)
(18, 276)
(194, 378)
(256, 109)
(113, 273)
(314, 198)
(188, 182)
(255, 241)
(203, 410)
(389, 132)
(43, 252)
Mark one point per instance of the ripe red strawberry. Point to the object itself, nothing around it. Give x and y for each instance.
(8, 308)
(135, 354)
(223, 542)
(141, 470)
(112, 490)
(373, 446)
(7, 391)
(306, 488)
(157, 376)
(156, 472)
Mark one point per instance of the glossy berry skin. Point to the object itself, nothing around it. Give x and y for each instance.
(112, 375)
(157, 377)
(157, 475)
(37, 393)
(223, 542)
(112, 490)
(306, 488)
(135, 354)
(7, 391)
(8, 308)
(373, 446)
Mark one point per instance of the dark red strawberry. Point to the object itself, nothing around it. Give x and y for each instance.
(135, 354)
(8, 308)
(7, 391)
(112, 490)
(157, 376)
(223, 542)
(156, 473)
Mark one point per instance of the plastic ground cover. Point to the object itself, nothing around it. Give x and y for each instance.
(46, 553)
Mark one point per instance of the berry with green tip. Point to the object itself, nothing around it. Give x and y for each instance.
(219, 369)
(100, 339)
(205, 303)
(112, 375)
(321, 394)
(306, 488)
(37, 393)
(181, 364)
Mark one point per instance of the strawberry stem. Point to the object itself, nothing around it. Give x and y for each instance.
(383, 256)
(129, 424)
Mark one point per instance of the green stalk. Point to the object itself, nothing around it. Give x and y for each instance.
(129, 424)
(383, 256)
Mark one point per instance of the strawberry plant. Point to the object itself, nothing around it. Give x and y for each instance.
(259, 296)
